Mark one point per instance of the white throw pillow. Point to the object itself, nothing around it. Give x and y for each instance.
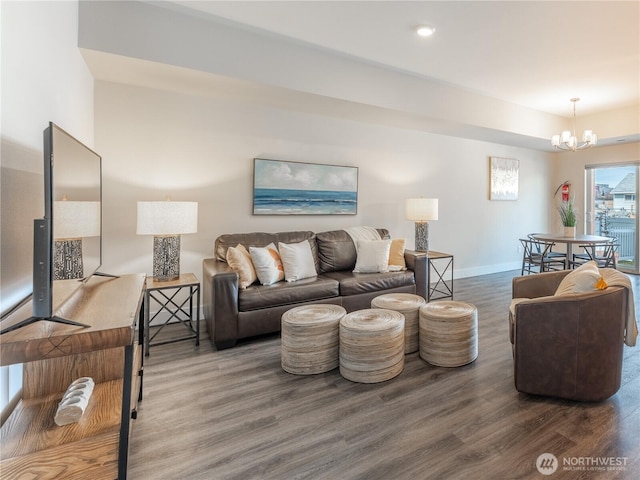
(373, 256)
(297, 260)
(582, 279)
(267, 263)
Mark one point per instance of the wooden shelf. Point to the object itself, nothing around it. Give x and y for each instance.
(54, 355)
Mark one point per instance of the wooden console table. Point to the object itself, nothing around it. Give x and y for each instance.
(53, 355)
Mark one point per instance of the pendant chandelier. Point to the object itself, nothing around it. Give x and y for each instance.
(568, 141)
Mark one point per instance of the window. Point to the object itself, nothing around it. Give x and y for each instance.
(611, 208)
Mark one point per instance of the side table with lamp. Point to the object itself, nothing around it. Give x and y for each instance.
(166, 221)
(422, 211)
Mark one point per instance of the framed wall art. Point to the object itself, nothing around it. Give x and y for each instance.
(504, 178)
(296, 188)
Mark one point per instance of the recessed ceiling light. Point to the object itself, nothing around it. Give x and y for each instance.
(425, 30)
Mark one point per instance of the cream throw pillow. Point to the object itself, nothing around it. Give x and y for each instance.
(240, 260)
(582, 279)
(373, 256)
(297, 260)
(267, 263)
(396, 255)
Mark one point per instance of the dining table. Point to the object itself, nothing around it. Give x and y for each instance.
(591, 240)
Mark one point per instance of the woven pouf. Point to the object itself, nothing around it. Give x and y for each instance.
(448, 333)
(310, 338)
(408, 305)
(371, 345)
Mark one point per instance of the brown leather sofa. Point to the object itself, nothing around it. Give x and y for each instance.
(232, 313)
(567, 346)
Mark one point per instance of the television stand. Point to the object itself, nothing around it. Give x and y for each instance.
(111, 352)
(31, 320)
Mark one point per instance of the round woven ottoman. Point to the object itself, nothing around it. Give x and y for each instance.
(310, 338)
(448, 333)
(408, 305)
(371, 345)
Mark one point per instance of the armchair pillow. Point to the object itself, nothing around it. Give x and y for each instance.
(582, 279)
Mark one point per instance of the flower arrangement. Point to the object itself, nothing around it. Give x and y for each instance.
(567, 213)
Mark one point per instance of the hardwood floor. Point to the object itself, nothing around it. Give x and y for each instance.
(236, 415)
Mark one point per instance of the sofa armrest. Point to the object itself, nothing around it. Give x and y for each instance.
(537, 285)
(419, 263)
(220, 302)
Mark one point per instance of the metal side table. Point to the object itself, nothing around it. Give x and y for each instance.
(441, 270)
(165, 295)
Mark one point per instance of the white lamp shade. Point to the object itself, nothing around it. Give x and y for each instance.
(76, 219)
(422, 209)
(167, 218)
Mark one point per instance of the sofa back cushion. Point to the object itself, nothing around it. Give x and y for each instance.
(336, 250)
(262, 239)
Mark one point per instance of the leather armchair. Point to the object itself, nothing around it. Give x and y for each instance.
(567, 346)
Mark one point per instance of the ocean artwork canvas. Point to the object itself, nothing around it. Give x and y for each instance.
(296, 188)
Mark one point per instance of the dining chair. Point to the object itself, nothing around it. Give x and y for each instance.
(551, 253)
(603, 253)
(536, 257)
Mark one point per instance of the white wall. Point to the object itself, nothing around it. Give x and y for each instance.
(157, 143)
(44, 78)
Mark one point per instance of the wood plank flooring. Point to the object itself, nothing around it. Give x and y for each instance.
(236, 415)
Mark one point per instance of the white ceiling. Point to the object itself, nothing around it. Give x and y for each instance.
(537, 54)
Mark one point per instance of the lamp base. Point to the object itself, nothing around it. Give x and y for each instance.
(166, 258)
(422, 236)
(67, 259)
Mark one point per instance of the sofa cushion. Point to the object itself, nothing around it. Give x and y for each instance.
(240, 260)
(396, 254)
(297, 260)
(373, 256)
(266, 261)
(357, 283)
(283, 293)
(262, 239)
(336, 250)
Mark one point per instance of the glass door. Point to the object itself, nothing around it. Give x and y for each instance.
(612, 209)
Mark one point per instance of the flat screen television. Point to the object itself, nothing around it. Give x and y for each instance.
(67, 241)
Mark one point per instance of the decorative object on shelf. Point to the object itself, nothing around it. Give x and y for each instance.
(75, 401)
(421, 211)
(294, 188)
(166, 221)
(568, 141)
(504, 178)
(568, 217)
(72, 221)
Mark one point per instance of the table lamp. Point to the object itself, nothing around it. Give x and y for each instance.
(166, 221)
(421, 211)
(72, 221)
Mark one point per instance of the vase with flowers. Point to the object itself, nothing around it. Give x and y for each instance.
(568, 217)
